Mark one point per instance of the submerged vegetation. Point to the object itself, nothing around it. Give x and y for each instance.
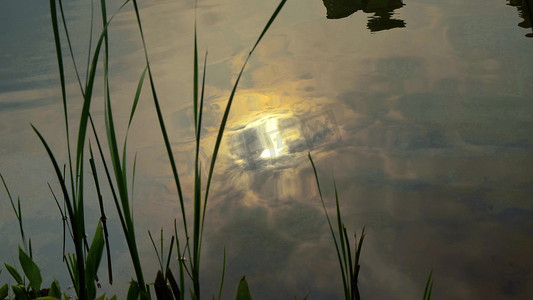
(84, 263)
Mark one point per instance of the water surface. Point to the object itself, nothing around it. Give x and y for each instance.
(420, 110)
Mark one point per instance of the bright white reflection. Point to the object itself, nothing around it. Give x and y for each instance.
(266, 153)
(271, 139)
(266, 140)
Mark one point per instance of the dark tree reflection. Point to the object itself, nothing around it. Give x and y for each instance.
(383, 11)
(524, 11)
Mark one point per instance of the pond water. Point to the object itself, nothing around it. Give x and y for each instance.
(421, 111)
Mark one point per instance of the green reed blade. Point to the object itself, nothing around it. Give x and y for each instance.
(103, 217)
(57, 41)
(180, 262)
(345, 285)
(155, 249)
(162, 123)
(169, 256)
(352, 280)
(195, 74)
(69, 44)
(228, 107)
(77, 228)
(18, 212)
(429, 287)
(94, 256)
(340, 225)
(223, 273)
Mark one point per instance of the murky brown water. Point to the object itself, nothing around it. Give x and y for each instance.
(421, 111)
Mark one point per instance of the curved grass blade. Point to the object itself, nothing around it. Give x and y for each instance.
(228, 107)
(76, 221)
(162, 123)
(223, 273)
(94, 257)
(103, 217)
(18, 213)
(429, 287)
(345, 284)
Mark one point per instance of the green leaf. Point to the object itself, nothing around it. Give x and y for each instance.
(14, 273)
(114, 297)
(133, 291)
(55, 290)
(101, 297)
(193, 296)
(47, 298)
(30, 270)
(93, 261)
(243, 293)
(18, 290)
(3, 291)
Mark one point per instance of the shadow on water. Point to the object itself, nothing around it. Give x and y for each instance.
(383, 11)
(524, 11)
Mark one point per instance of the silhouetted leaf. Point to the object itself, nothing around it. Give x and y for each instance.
(161, 289)
(173, 285)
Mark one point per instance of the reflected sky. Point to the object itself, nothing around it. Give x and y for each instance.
(425, 130)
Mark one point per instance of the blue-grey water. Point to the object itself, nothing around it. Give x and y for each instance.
(421, 111)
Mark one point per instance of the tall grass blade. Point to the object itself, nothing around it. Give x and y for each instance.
(94, 256)
(223, 273)
(69, 44)
(18, 213)
(228, 107)
(429, 287)
(345, 284)
(162, 123)
(169, 256)
(346, 267)
(74, 220)
(180, 262)
(103, 217)
(57, 41)
(156, 252)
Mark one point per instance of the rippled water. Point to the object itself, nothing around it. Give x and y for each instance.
(420, 110)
